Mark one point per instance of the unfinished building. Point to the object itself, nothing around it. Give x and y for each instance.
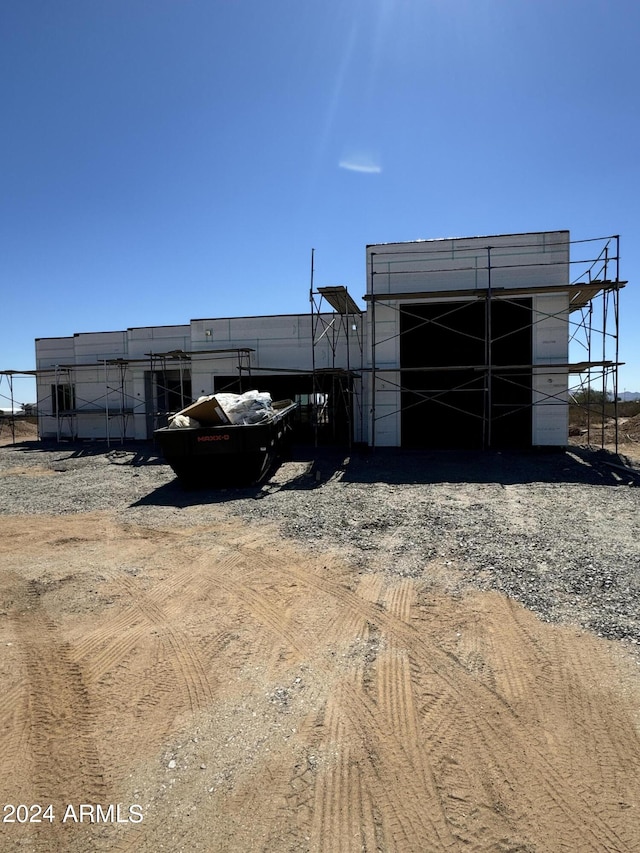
(464, 342)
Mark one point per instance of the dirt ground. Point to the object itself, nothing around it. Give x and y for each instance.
(231, 690)
(17, 429)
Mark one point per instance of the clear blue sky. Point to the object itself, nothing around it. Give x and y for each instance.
(169, 159)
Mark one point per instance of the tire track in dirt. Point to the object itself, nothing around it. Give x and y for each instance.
(609, 757)
(60, 753)
(342, 803)
(111, 643)
(107, 652)
(114, 638)
(391, 773)
(333, 801)
(556, 800)
(10, 700)
(99, 644)
(396, 698)
(578, 737)
(113, 652)
(190, 669)
(61, 737)
(399, 599)
(343, 806)
(342, 810)
(482, 741)
(482, 794)
(421, 738)
(555, 791)
(274, 618)
(409, 809)
(15, 731)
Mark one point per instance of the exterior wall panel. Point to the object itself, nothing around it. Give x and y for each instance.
(387, 411)
(97, 346)
(157, 339)
(550, 425)
(52, 351)
(520, 260)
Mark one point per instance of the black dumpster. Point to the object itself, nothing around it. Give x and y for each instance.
(230, 454)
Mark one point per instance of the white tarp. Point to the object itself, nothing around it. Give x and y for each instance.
(252, 407)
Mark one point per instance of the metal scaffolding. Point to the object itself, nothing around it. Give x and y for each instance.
(116, 374)
(6, 378)
(170, 387)
(596, 334)
(593, 297)
(336, 394)
(116, 404)
(165, 392)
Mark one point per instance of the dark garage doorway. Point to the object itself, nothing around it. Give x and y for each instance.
(449, 399)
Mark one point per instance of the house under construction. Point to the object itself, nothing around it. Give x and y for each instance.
(467, 342)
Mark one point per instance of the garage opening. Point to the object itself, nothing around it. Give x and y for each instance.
(449, 398)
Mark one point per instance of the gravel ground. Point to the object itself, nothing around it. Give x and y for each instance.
(558, 532)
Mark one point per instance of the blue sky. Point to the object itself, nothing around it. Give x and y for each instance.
(170, 159)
